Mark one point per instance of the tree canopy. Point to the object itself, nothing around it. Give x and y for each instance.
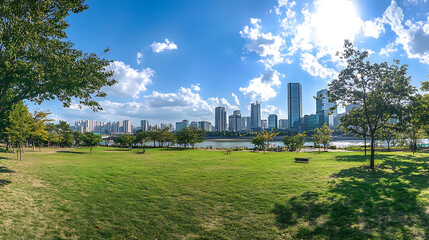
(382, 90)
(36, 61)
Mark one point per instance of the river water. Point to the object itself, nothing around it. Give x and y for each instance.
(227, 143)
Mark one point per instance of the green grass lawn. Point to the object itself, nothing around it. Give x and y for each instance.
(171, 194)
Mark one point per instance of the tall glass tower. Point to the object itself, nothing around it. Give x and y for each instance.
(294, 104)
(255, 115)
(323, 105)
(220, 119)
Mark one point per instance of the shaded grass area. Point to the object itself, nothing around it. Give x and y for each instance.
(166, 194)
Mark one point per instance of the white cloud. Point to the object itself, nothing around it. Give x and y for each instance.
(262, 88)
(311, 65)
(390, 48)
(131, 82)
(373, 28)
(183, 104)
(412, 36)
(139, 57)
(161, 47)
(265, 45)
(195, 87)
(236, 99)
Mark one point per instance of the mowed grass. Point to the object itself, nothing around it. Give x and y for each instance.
(198, 194)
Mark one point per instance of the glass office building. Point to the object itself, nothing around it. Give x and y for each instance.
(294, 104)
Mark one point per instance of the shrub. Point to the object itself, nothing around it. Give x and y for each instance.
(332, 147)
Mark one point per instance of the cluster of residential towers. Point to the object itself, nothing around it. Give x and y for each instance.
(235, 122)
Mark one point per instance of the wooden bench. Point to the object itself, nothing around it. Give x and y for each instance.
(301, 160)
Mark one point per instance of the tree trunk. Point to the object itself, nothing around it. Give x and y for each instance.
(364, 140)
(388, 146)
(372, 162)
(90, 150)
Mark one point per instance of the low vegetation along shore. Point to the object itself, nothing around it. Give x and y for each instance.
(174, 194)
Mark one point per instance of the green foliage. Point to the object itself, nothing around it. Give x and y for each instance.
(183, 193)
(382, 90)
(323, 135)
(296, 142)
(264, 138)
(126, 140)
(189, 136)
(91, 140)
(38, 63)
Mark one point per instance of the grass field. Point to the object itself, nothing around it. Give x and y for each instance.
(172, 194)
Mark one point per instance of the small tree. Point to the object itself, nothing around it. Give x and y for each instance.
(289, 142)
(264, 139)
(38, 131)
(91, 140)
(326, 135)
(190, 136)
(299, 140)
(19, 125)
(382, 90)
(317, 137)
(389, 134)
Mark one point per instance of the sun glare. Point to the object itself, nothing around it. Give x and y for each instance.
(334, 21)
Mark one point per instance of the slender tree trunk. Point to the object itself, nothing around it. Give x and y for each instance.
(388, 146)
(364, 140)
(90, 150)
(372, 162)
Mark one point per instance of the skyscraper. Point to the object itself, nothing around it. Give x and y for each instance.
(255, 116)
(245, 123)
(323, 105)
(127, 126)
(181, 125)
(272, 121)
(283, 124)
(220, 119)
(294, 104)
(235, 121)
(144, 125)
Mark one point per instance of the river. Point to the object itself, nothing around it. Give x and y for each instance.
(228, 143)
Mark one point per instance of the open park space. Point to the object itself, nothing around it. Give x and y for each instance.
(187, 194)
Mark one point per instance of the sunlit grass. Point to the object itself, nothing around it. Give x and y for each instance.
(169, 194)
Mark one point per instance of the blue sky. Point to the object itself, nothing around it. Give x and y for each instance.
(178, 60)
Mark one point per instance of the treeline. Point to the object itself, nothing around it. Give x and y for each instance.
(19, 129)
(186, 137)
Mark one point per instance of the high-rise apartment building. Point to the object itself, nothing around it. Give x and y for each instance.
(144, 125)
(272, 121)
(323, 105)
(181, 125)
(245, 123)
(220, 119)
(294, 104)
(235, 121)
(283, 124)
(127, 126)
(206, 126)
(255, 116)
(264, 124)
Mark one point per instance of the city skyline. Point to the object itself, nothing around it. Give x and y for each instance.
(180, 60)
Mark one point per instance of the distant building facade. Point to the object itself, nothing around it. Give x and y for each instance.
(255, 116)
(272, 121)
(294, 104)
(220, 119)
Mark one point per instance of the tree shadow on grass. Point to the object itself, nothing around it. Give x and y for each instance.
(363, 204)
(4, 182)
(74, 152)
(172, 149)
(6, 170)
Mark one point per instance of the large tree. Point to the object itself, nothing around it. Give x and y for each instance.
(382, 90)
(37, 62)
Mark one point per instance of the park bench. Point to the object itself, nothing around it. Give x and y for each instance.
(301, 160)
